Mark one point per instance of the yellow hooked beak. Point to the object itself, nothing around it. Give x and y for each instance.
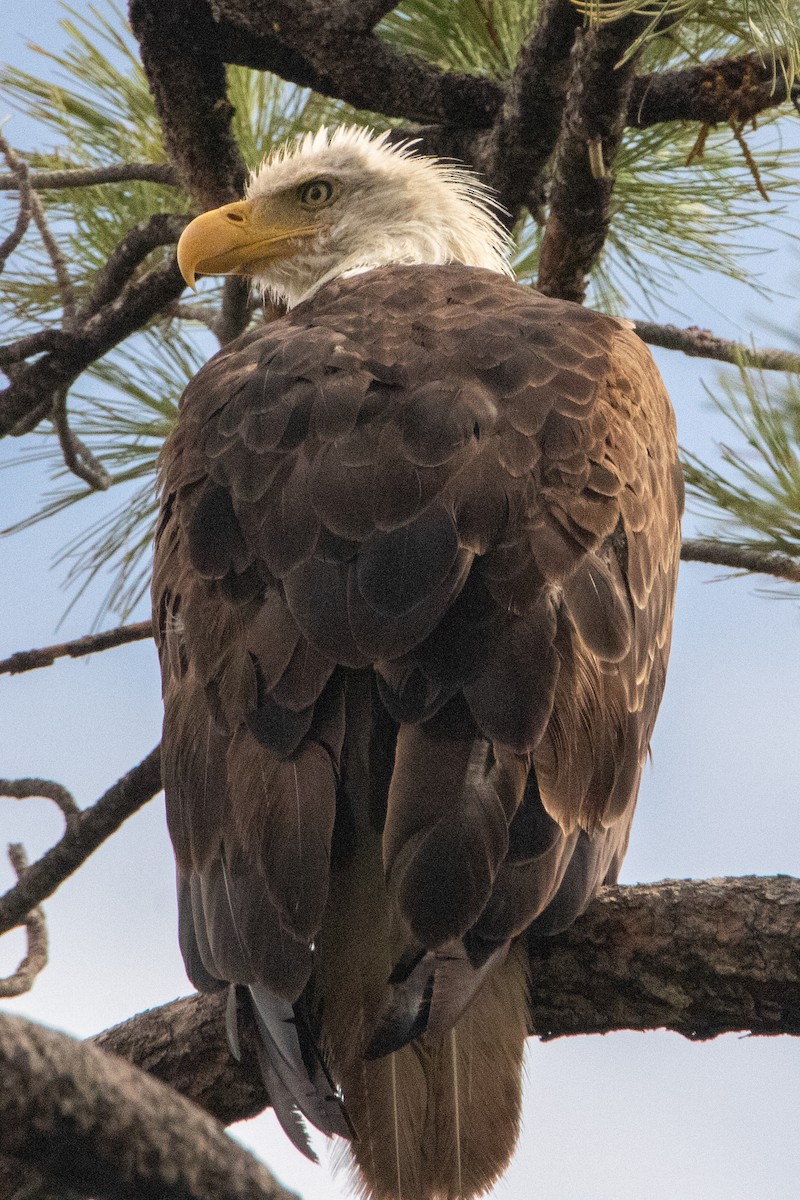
(237, 239)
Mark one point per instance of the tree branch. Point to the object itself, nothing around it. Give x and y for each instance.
(81, 839)
(162, 229)
(35, 959)
(91, 643)
(702, 343)
(180, 53)
(19, 175)
(29, 398)
(714, 92)
(303, 44)
(74, 177)
(514, 154)
(591, 132)
(700, 958)
(741, 558)
(93, 1123)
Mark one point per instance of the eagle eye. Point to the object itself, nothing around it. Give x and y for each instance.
(316, 193)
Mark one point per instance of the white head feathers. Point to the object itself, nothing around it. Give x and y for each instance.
(391, 206)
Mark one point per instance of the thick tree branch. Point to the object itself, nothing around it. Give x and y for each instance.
(304, 44)
(697, 957)
(702, 343)
(105, 1129)
(184, 1045)
(81, 839)
(714, 92)
(591, 132)
(91, 643)
(514, 154)
(180, 52)
(741, 558)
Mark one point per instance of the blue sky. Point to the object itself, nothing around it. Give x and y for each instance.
(624, 1117)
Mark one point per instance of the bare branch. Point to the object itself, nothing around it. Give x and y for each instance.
(48, 789)
(31, 660)
(94, 825)
(33, 343)
(98, 1125)
(591, 132)
(92, 176)
(19, 174)
(35, 959)
(78, 458)
(698, 957)
(714, 92)
(298, 42)
(29, 398)
(702, 343)
(514, 154)
(741, 558)
(162, 229)
(59, 263)
(184, 1045)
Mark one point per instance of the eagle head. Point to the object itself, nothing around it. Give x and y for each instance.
(342, 201)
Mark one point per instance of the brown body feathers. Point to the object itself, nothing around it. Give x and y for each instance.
(413, 589)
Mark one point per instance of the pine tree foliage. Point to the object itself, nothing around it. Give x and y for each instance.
(753, 498)
(677, 208)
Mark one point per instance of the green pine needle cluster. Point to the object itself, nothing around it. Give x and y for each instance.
(754, 500)
(669, 218)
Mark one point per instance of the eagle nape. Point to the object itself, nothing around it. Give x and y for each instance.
(413, 592)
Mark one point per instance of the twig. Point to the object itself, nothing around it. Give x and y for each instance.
(752, 165)
(92, 1122)
(78, 458)
(92, 828)
(205, 314)
(741, 558)
(91, 176)
(19, 175)
(31, 660)
(59, 263)
(26, 789)
(702, 343)
(162, 229)
(35, 959)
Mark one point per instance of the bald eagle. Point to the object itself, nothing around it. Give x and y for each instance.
(413, 592)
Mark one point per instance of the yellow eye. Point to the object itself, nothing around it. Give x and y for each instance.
(316, 193)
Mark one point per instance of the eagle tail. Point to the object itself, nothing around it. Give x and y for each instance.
(426, 1044)
(440, 1117)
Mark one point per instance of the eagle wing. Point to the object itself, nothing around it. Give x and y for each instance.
(470, 494)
